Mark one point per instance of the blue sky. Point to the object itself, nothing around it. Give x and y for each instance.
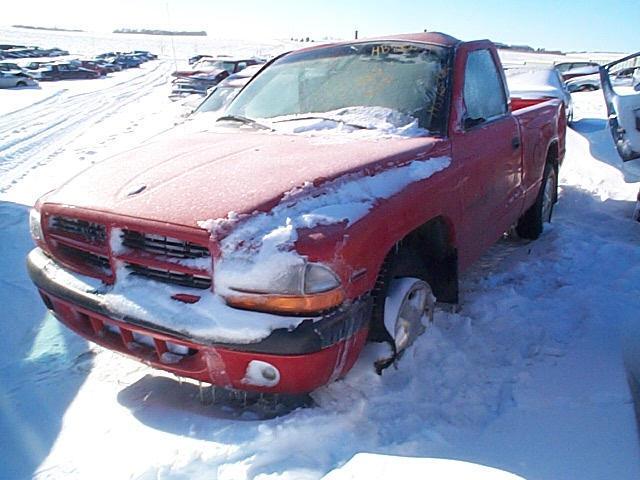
(569, 25)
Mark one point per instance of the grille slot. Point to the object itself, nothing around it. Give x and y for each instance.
(161, 245)
(83, 257)
(168, 276)
(89, 232)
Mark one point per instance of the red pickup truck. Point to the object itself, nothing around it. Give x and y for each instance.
(343, 192)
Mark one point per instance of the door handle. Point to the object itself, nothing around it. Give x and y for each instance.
(515, 143)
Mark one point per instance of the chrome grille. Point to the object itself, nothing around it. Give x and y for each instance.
(161, 245)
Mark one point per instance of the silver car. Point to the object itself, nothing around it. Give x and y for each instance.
(16, 79)
(539, 82)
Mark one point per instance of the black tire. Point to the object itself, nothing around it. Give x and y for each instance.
(531, 224)
(21, 84)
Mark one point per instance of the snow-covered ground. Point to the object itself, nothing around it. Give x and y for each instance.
(527, 377)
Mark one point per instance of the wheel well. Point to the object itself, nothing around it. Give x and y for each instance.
(430, 251)
(552, 158)
(552, 154)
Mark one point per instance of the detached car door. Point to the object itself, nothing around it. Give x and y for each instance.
(623, 110)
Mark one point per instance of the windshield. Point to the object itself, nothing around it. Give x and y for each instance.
(220, 97)
(405, 77)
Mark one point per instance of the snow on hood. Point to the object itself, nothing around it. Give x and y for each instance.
(257, 246)
(361, 120)
(261, 245)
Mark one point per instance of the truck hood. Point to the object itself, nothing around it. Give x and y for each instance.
(185, 179)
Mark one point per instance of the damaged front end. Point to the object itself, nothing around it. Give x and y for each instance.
(148, 294)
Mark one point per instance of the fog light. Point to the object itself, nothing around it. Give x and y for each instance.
(261, 374)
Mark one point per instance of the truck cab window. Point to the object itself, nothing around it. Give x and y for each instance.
(484, 94)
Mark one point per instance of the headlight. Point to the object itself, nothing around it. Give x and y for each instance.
(298, 287)
(35, 225)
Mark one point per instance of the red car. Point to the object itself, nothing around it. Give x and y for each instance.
(93, 66)
(258, 257)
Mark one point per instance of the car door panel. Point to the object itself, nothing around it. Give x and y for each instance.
(623, 111)
(490, 153)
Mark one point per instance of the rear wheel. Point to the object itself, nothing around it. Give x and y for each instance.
(21, 84)
(531, 224)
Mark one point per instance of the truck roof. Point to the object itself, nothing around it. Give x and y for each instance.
(434, 38)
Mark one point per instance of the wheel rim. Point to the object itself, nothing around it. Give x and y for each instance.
(415, 302)
(549, 196)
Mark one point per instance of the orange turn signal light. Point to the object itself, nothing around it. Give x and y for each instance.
(288, 304)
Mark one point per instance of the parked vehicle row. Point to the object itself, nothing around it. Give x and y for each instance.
(127, 59)
(53, 70)
(21, 51)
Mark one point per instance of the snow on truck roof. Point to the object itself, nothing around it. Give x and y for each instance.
(434, 38)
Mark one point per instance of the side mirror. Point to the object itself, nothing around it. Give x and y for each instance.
(472, 122)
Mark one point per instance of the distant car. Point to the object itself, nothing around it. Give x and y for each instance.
(197, 58)
(127, 61)
(144, 53)
(199, 83)
(221, 92)
(589, 83)
(226, 90)
(570, 70)
(37, 65)
(109, 67)
(90, 65)
(16, 79)
(10, 67)
(207, 65)
(536, 83)
(64, 71)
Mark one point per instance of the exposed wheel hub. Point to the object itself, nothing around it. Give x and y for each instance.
(408, 309)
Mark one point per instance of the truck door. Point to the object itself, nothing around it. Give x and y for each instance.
(486, 143)
(623, 111)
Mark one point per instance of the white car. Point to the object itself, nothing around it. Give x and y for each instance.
(542, 82)
(16, 79)
(623, 110)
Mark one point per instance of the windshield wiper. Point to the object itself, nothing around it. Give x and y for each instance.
(243, 120)
(318, 117)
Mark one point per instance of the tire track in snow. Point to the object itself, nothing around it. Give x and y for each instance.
(49, 125)
(43, 106)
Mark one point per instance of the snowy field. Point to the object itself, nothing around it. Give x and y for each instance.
(527, 378)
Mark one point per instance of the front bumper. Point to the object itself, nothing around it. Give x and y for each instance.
(306, 357)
